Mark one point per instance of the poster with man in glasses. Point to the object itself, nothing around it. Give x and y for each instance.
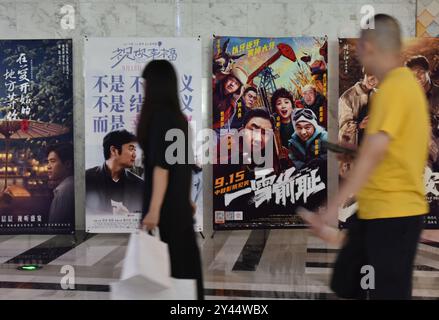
(271, 156)
(356, 88)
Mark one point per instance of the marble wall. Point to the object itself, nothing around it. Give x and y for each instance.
(427, 24)
(27, 19)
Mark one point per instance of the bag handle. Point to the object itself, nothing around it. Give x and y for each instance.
(153, 233)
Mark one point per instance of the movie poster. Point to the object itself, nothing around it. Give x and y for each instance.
(113, 100)
(36, 130)
(356, 87)
(269, 103)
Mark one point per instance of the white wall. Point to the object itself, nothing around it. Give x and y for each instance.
(29, 19)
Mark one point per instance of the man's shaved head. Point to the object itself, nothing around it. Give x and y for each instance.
(386, 34)
(380, 48)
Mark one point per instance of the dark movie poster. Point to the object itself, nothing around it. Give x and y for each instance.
(269, 102)
(356, 88)
(36, 130)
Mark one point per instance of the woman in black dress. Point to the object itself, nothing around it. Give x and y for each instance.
(167, 202)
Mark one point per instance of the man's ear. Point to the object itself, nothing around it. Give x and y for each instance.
(113, 150)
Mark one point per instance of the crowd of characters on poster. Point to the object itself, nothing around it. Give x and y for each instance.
(250, 99)
(353, 109)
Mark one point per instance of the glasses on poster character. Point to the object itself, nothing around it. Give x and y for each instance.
(307, 113)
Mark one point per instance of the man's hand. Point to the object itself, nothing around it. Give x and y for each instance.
(119, 208)
(320, 229)
(330, 215)
(363, 123)
(151, 220)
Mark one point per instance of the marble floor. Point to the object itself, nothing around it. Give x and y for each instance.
(258, 264)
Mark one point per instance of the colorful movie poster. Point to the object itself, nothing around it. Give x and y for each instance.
(113, 100)
(356, 87)
(270, 100)
(36, 130)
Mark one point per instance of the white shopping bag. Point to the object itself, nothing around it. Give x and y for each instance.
(181, 289)
(147, 262)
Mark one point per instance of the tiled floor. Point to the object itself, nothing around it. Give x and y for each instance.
(260, 264)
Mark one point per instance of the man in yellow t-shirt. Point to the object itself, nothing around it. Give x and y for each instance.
(395, 187)
(387, 178)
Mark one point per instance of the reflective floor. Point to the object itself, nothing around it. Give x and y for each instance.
(259, 264)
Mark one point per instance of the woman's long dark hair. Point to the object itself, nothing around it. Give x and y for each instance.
(161, 94)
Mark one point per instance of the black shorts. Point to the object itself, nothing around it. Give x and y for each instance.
(389, 246)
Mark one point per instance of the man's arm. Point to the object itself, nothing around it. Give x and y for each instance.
(371, 153)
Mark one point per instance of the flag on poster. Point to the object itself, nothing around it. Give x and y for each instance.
(269, 98)
(36, 130)
(113, 100)
(356, 87)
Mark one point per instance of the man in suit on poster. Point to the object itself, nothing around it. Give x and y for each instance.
(112, 188)
(60, 173)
